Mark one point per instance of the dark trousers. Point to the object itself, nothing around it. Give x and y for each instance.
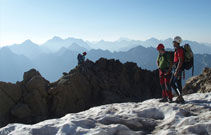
(176, 83)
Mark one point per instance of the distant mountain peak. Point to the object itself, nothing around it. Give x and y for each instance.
(71, 38)
(152, 39)
(124, 39)
(102, 40)
(168, 39)
(28, 41)
(74, 44)
(76, 47)
(56, 38)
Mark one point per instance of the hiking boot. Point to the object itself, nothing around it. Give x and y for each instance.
(170, 100)
(163, 100)
(180, 100)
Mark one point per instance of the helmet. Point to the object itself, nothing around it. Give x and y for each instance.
(160, 46)
(84, 53)
(178, 39)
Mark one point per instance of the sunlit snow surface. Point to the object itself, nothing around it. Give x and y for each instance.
(148, 117)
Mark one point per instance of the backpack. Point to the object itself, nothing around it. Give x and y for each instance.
(171, 53)
(80, 59)
(188, 58)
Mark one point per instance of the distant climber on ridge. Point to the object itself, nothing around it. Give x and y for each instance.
(164, 63)
(81, 58)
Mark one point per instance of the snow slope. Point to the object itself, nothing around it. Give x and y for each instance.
(148, 117)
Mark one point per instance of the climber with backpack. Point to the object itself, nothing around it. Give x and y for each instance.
(183, 60)
(81, 66)
(81, 58)
(164, 63)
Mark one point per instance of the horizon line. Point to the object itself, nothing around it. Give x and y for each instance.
(96, 41)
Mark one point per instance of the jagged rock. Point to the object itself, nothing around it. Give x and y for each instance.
(106, 81)
(21, 111)
(34, 101)
(31, 73)
(35, 95)
(201, 83)
(37, 104)
(37, 82)
(13, 91)
(95, 83)
(102, 82)
(9, 96)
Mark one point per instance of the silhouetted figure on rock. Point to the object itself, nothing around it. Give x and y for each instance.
(81, 60)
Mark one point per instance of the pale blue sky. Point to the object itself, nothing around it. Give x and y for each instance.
(40, 20)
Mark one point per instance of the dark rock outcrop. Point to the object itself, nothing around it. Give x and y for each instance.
(10, 94)
(201, 83)
(106, 81)
(103, 82)
(25, 101)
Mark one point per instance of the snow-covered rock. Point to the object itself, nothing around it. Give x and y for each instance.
(148, 117)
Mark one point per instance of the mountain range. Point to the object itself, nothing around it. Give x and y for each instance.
(58, 55)
(126, 44)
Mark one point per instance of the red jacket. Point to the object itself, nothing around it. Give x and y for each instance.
(179, 53)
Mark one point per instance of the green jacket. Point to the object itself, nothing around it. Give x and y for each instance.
(164, 60)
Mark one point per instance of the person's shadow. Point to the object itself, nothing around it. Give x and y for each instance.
(204, 103)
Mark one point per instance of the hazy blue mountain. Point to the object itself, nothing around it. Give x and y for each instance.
(77, 48)
(201, 61)
(208, 44)
(57, 43)
(125, 49)
(12, 65)
(32, 50)
(98, 53)
(144, 57)
(119, 45)
(52, 64)
(28, 49)
(198, 48)
(125, 45)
